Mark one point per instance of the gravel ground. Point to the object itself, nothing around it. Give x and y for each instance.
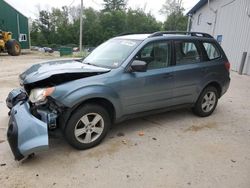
(176, 149)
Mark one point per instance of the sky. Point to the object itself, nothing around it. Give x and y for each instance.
(29, 7)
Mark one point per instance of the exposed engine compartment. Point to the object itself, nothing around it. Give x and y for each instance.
(58, 79)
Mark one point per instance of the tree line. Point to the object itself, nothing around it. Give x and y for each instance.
(60, 26)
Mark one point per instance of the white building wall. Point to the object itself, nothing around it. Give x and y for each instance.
(232, 21)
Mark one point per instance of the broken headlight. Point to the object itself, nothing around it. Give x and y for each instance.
(40, 94)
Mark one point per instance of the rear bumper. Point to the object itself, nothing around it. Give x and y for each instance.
(225, 86)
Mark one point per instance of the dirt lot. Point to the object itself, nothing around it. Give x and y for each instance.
(178, 149)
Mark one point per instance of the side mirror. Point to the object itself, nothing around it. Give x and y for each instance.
(139, 66)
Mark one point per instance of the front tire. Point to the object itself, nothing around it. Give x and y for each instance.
(206, 102)
(87, 126)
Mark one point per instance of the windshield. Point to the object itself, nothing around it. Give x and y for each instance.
(112, 53)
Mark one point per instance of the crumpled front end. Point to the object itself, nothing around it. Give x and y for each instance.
(27, 133)
(15, 96)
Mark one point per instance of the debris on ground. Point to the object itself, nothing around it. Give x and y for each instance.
(141, 133)
(154, 138)
(97, 166)
(3, 164)
(120, 134)
(233, 161)
(124, 142)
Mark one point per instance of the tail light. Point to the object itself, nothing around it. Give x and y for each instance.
(227, 65)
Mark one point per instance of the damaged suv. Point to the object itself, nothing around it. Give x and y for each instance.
(126, 77)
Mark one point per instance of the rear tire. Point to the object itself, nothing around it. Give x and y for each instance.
(87, 126)
(206, 102)
(13, 47)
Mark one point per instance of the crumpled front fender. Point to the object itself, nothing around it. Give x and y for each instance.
(72, 98)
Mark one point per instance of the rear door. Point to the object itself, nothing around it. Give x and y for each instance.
(187, 72)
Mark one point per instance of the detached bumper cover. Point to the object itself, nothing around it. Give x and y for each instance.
(26, 134)
(15, 96)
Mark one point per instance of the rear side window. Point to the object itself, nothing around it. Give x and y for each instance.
(212, 51)
(186, 53)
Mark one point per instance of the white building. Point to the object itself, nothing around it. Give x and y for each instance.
(229, 22)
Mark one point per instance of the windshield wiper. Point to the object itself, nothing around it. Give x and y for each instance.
(79, 60)
(92, 64)
(102, 66)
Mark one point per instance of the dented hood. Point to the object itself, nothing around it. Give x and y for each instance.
(56, 72)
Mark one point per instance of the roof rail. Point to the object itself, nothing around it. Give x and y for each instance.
(195, 34)
(125, 33)
(129, 33)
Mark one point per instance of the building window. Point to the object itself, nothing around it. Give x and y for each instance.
(199, 19)
(22, 37)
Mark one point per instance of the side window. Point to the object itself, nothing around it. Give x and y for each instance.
(22, 37)
(157, 55)
(212, 51)
(186, 53)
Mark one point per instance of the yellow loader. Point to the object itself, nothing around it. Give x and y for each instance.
(7, 44)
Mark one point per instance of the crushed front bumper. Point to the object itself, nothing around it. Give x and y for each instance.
(15, 96)
(26, 134)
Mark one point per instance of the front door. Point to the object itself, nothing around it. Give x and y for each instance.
(143, 91)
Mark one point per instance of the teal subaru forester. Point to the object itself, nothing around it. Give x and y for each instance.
(128, 76)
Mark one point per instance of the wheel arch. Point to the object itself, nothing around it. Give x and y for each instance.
(105, 103)
(215, 85)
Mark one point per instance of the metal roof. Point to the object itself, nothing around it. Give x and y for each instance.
(200, 4)
(4, 1)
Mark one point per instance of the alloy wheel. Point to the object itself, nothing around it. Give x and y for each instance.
(89, 128)
(208, 102)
